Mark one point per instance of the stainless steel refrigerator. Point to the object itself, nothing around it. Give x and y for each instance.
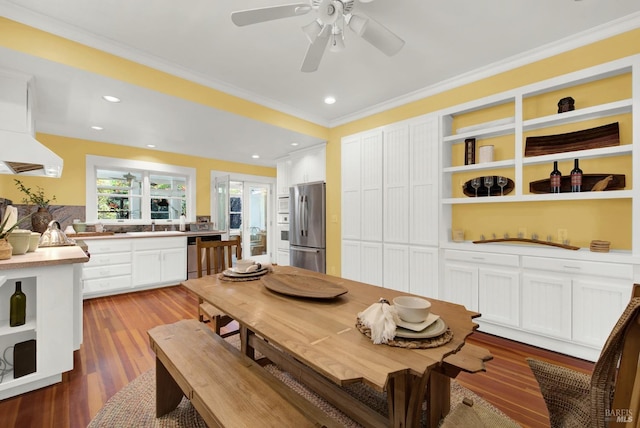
(307, 243)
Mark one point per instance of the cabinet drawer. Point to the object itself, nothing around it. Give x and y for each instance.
(612, 270)
(108, 246)
(107, 284)
(159, 243)
(482, 258)
(108, 259)
(106, 271)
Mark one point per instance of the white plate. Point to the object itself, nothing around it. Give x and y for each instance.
(231, 273)
(435, 329)
(419, 326)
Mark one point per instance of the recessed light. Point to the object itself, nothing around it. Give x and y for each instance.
(97, 128)
(111, 98)
(294, 144)
(255, 156)
(151, 146)
(329, 100)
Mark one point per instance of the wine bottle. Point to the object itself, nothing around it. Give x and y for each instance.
(555, 178)
(576, 177)
(18, 306)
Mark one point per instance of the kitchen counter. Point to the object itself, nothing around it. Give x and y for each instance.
(46, 256)
(87, 236)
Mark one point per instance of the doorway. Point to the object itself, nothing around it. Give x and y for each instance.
(244, 207)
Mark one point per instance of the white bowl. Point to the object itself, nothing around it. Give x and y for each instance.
(412, 309)
(243, 264)
(34, 240)
(19, 240)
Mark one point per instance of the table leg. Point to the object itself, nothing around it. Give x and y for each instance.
(405, 395)
(438, 398)
(245, 348)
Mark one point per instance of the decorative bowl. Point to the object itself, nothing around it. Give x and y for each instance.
(19, 240)
(412, 309)
(34, 241)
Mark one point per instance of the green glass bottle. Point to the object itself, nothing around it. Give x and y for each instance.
(18, 310)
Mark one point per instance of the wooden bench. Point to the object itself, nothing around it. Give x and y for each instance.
(226, 388)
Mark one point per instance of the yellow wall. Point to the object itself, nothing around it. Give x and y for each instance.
(70, 188)
(38, 43)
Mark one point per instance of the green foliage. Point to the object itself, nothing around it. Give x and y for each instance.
(38, 198)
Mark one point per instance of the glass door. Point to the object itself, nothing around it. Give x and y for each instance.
(256, 221)
(221, 193)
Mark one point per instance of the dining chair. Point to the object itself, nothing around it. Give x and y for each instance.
(216, 256)
(610, 396)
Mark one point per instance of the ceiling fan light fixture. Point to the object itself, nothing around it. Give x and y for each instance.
(312, 29)
(336, 43)
(358, 24)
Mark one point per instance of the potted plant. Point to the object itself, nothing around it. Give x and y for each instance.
(41, 218)
(5, 247)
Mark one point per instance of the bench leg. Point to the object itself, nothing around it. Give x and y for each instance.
(168, 393)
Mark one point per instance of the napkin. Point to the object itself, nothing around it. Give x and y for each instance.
(381, 318)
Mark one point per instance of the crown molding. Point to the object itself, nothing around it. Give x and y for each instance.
(601, 32)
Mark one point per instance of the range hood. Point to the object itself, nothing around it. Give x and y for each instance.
(24, 155)
(20, 152)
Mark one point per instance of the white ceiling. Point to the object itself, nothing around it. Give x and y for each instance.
(445, 39)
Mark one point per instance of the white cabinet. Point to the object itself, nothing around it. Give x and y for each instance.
(51, 311)
(283, 180)
(308, 165)
(484, 282)
(120, 265)
(546, 304)
(390, 203)
(109, 268)
(159, 261)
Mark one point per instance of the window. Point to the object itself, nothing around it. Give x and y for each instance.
(135, 192)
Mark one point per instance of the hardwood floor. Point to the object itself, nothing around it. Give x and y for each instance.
(116, 350)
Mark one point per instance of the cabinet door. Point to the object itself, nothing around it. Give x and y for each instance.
(396, 184)
(283, 169)
(423, 271)
(423, 182)
(308, 165)
(371, 263)
(174, 265)
(396, 267)
(499, 295)
(546, 304)
(371, 186)
(597, 305)
(146, 267)
(351, 254)
(351, 188)
(461, 285)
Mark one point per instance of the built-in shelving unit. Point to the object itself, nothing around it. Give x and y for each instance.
(509, 118)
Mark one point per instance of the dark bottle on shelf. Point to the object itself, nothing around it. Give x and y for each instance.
(555, 178)
(576, 177)
(18, 306)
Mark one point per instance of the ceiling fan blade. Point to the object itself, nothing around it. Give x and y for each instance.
(316, 51)
(376, 34)
(254, 16)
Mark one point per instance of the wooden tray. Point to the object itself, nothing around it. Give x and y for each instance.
(588, 181)
(482, 191)
(303, 286)
(601, 136)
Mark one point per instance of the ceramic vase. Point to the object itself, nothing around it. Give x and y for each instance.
(40, 220)
(5, 249)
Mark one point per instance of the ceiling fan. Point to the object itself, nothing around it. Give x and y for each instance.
(329, 26)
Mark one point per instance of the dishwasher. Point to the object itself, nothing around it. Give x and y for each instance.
(192, 253)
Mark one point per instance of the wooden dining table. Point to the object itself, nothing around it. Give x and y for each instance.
(316, 340)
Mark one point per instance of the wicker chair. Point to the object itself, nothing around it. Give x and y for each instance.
(610, 397)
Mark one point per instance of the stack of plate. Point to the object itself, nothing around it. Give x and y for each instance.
(599, 246)
(236, 273)
(433, 326)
